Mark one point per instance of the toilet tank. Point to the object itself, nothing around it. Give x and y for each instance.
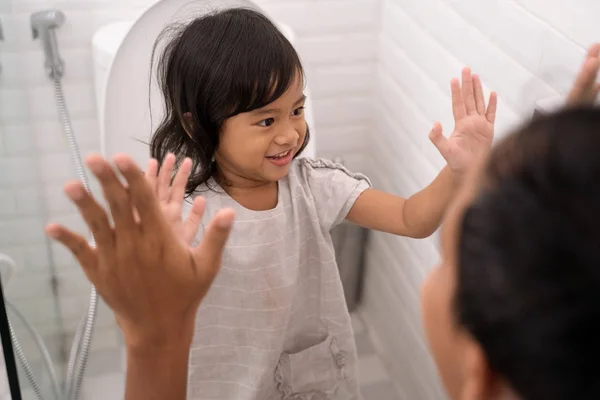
(105, 47)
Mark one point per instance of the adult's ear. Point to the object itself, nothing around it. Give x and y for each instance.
(480, 382)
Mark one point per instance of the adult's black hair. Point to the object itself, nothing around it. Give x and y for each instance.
(529, 259)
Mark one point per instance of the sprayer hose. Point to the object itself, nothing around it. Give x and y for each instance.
(83, 337)
(23, 360)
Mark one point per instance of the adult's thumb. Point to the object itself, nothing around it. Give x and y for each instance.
(210, 249)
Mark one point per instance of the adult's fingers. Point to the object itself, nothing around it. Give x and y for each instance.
(164, 177)
(192, 222)
(152, 172)
(151, 175)
(115, 193)
(93, 214)
(79, 247)
(209, 252)
(140, 192)
(583, 90)
(594, 51)
(180, 181)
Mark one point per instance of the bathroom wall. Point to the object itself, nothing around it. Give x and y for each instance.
(337, 42)
(523, 49)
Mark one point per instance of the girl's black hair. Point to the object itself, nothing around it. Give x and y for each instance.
(221, 64)
(529, 259)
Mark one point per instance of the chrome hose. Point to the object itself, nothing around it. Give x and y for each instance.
(83, 337)
(25, 364)
(43, 350)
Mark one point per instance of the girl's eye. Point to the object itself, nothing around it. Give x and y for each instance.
(298, 111)
(267, 122)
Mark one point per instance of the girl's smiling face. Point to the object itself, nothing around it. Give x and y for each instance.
(257, 147)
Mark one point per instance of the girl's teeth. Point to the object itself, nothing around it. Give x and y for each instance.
(280, 155)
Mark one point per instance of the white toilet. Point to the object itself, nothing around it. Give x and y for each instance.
(124, 97)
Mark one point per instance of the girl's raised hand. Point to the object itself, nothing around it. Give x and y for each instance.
(473, 124)
(151, 278)
(585, 89)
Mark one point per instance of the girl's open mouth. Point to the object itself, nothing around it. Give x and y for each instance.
(281, 159)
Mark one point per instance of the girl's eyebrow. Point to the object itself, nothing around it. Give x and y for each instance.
(270, 110)
(300, 100)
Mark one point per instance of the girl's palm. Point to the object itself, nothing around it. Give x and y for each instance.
(473, 124)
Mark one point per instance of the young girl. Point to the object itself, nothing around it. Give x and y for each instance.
(275, 325)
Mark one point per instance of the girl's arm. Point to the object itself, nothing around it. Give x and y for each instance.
(417, 217)
(421, 214)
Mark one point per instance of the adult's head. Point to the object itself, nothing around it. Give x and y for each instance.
(512, 311)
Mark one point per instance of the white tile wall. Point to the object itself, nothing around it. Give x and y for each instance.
(338, 44)
(523, 49)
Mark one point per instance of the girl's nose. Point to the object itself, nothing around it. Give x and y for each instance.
(288, 137)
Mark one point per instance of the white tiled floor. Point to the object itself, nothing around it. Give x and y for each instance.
(375, 383)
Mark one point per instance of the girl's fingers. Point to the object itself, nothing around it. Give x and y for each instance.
(93, 214)
(180, 181)
(458, 104)
(114, 192)
(164, 178)
(192, 223)
(438, 139)
(79, 247)
(142, 197)
(468, 92)
(479, 98)
(490, 113)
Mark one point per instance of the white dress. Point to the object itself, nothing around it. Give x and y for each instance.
(274, 324)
